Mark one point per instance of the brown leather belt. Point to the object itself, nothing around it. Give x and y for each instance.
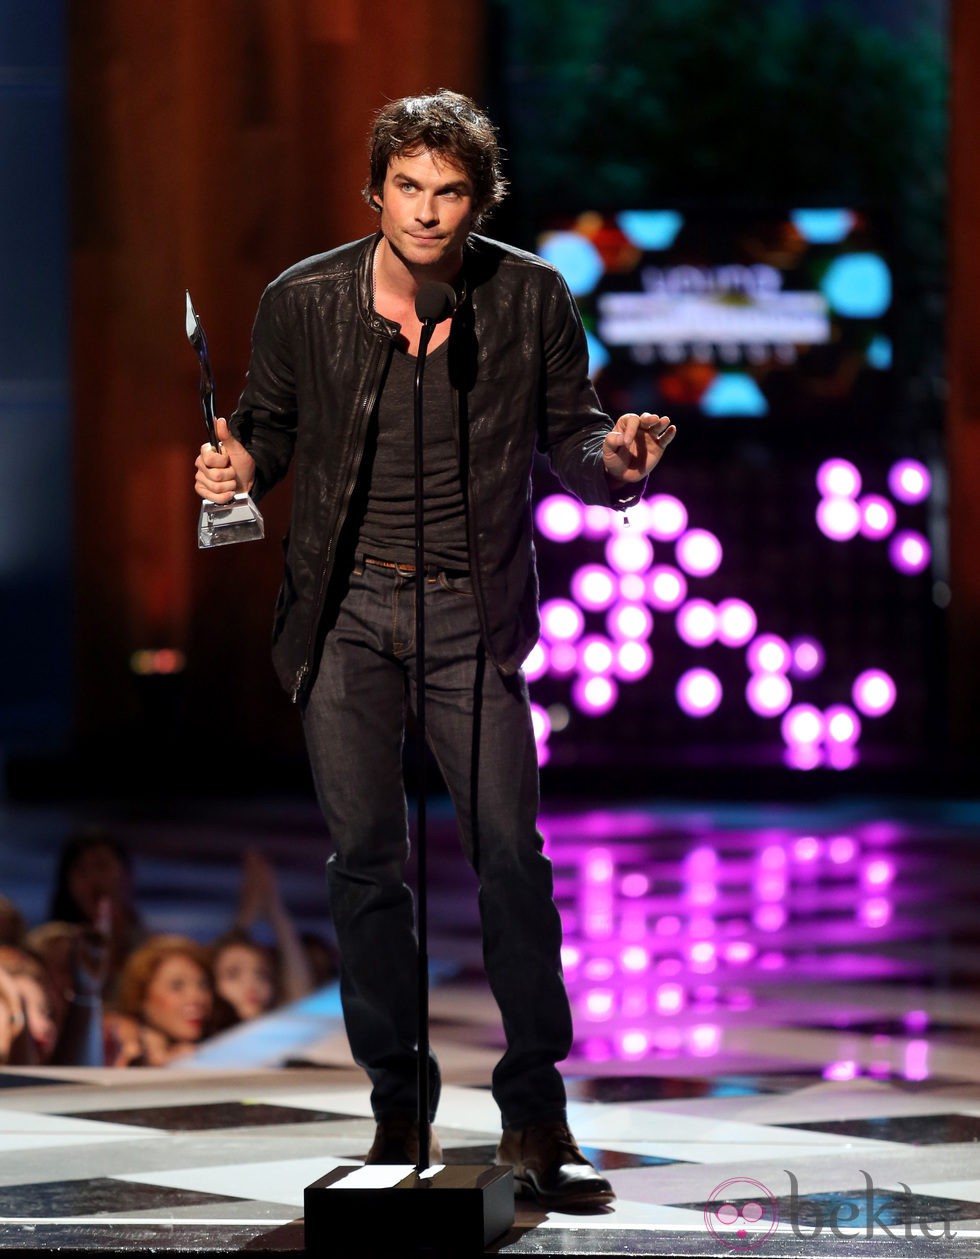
(402, 568)
(431, 570)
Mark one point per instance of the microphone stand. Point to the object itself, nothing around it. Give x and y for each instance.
(422, 907)
(434, 303)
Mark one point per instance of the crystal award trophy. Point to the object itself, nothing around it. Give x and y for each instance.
(238, 520)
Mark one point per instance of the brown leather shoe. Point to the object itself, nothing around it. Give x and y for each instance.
(549, 1166)
(396, 1140)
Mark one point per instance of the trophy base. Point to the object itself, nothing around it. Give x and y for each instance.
(237, 521)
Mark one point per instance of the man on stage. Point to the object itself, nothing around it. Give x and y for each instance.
(330, 388)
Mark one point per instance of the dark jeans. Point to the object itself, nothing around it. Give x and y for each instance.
(479, 730)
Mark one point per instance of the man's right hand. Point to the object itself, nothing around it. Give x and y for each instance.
(221, 474)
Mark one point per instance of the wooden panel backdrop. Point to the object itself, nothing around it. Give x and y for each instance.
(213, 145)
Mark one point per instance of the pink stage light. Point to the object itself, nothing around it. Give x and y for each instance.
(599, 969)
(701, 861)
(536, 664)
(599, 1004)
(669, 999)
(594, 587)
(770, 886)
(571, 956)
(703, 952)
(697, 623)
(838, 518)
(635, 884)
(806, 848)
(847, 1070)
(633, 660)
(666, 517)
(875, 912)
(629, 621)
(917, 1060)
(595, 695)
(773, 857)
(805, 756)
(596, 655)
(909, 551)
(634, 1044)
(768, 653)
(842, 725)
(666, 588)
(768, 694)
(838, 478)
(841, 756)
(874, 693)
(596, 522)
(632, 588)
(737, 622)
(698, 552)
(634, 959)
(667, 925)
(562, 659)
(540, 723)
(740, 952)
(841, 849)
(909, 481)
(559, 517)
(562, 620)
(770, 917)
(598, 869)
(629, 552)
(802, 725)
(878, 872)
(705, 1040)
(877, 516)
(596, 1049)
(808, 657)
(698, 692)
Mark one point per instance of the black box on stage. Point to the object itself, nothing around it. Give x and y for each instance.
(378, 1212)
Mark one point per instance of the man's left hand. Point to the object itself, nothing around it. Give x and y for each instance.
(635, 445)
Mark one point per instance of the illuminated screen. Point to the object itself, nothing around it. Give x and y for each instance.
(741, 314)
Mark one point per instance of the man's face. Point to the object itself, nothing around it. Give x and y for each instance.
(427, 210)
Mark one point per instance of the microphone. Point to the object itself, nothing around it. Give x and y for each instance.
(435, 302)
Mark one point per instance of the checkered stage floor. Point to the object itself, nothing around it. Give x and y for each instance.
(778, 1053)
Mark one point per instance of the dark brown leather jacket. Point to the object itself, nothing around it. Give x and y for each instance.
(518, 365)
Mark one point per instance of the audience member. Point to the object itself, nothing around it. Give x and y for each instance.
(39, 1034)
(93, 867)
(12, 1019)
(260, 903)
(245, 974)
(166, 1003)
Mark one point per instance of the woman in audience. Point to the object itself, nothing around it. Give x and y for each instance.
(165, 1005)
(250, 977)
(244, 974)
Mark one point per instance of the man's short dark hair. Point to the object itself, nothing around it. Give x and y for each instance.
(447, 124)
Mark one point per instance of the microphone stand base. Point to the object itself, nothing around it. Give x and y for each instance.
(391, 1212)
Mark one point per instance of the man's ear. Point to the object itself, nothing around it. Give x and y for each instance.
(376, 198)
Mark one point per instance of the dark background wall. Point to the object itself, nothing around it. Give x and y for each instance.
(156, 147)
